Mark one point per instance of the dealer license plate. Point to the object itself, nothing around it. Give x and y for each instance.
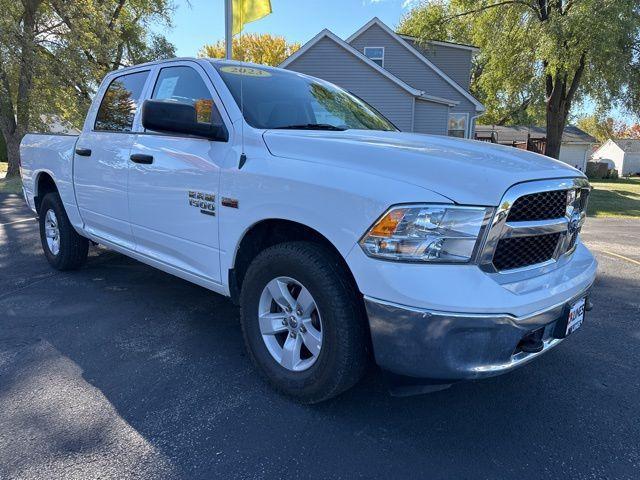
(576, 316)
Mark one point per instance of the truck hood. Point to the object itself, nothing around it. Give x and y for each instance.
(465, 171)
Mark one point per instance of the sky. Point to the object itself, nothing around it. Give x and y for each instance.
(198, 22)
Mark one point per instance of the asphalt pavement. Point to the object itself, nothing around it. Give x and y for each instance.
(121, 371)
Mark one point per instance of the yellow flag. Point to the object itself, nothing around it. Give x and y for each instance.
(245, 11)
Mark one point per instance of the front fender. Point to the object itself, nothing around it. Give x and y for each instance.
(338, 203)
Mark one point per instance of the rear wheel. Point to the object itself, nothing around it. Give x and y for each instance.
(62, 246)
(302, 321)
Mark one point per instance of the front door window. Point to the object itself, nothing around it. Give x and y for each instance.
(184, 85)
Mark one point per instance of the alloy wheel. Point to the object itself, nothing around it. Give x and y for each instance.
(52, 232)
(290, 324)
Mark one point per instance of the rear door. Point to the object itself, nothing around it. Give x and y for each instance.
(173, 197)
(101, 164)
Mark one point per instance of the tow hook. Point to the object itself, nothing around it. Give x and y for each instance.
(588, 305)
(532, 342)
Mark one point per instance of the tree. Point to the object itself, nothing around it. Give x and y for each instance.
(632, 132)
(54, 53)
(602, 129)
(540, 57)
(262, 48)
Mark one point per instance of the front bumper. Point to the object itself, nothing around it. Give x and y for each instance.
(449, 346)
(456, 322)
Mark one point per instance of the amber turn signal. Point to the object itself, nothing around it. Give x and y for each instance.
(388, 224)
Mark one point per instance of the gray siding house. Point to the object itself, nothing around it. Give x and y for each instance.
(423, 89)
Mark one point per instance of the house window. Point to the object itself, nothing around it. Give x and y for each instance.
(458, 124)
(376, 54)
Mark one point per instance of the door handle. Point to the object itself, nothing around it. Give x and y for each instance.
(141, 158)
(83, 152)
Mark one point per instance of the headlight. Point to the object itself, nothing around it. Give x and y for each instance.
(426, 233)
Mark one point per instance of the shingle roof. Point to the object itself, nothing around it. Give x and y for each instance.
(572, 134)
(628, 145)
(415, 41)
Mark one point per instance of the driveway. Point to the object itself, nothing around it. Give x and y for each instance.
(122, 371)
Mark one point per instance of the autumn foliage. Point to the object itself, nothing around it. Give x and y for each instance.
(262, 48)
(605, 128)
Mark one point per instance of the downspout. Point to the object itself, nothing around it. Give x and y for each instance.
(586, 157)
(472, 122)
(413, 116)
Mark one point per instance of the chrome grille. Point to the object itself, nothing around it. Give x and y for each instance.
(521, 252)
(536, 223)
(539, 206)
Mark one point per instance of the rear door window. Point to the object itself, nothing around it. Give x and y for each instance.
(120, 103)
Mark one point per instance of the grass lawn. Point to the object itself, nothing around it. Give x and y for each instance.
(8, 186)
(615, 198)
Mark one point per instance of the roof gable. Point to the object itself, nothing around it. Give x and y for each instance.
(413, 51)
(628, 145)
(604, 147)
(331, 36)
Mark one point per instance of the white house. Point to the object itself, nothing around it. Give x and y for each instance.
(623, 155)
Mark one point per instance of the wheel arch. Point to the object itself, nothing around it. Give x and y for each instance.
(268, 232)
(43, 184)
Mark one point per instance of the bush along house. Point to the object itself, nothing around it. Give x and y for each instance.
(420, 88)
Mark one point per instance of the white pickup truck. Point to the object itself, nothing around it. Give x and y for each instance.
(341, 238)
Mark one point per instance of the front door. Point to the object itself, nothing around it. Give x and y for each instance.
(101, 164)
(174, 181)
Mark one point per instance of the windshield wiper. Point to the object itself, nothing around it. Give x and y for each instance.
(311, 126)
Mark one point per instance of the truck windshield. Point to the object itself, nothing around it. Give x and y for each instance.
(278, 99)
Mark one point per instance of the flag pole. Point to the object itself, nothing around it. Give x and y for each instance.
(228, 24)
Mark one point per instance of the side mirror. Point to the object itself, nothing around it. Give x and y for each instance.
(174, 117)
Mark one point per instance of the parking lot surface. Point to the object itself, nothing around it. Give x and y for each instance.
(121, 371)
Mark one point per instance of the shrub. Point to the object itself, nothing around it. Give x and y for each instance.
(598, 170)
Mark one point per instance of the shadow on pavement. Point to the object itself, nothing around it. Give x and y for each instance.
(161, 365)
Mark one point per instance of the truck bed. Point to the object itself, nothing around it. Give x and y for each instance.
(50, 154)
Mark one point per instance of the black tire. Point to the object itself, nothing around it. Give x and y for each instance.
(343, 357)
(73, 248)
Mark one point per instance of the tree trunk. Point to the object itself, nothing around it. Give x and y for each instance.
(27, 59)
(557, 109)
(13, 153)
(556, 120)
(8, 127)
(14, 128)
(559, 100)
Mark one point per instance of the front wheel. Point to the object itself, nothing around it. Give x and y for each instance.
(302, 321)
(63, 247)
